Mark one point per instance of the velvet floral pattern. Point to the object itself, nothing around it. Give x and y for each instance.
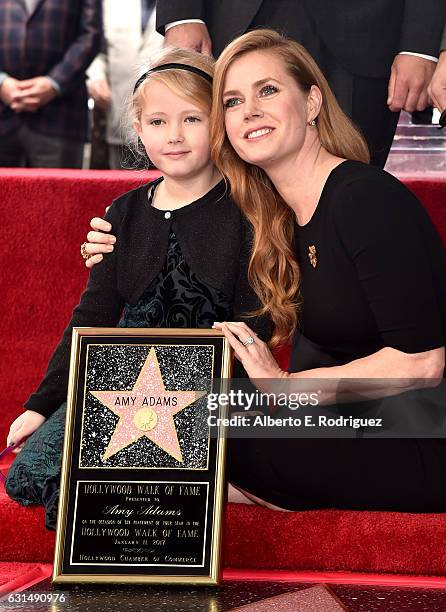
(34, 476)
(177, 298)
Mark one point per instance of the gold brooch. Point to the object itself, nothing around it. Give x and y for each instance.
(312, 255)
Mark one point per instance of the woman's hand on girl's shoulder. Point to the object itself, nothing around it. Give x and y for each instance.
(99, 241)
(24, 425)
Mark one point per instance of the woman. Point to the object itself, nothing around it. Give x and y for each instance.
(348, 266)
(356, 250)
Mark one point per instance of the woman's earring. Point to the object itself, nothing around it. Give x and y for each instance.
(312, 122)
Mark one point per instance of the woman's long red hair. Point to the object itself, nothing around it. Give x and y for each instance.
(274, 272)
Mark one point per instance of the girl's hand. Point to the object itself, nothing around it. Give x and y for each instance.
(24, 425)
(99, 241)
(256, 357)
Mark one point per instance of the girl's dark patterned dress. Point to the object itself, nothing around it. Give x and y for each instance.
(175, 298)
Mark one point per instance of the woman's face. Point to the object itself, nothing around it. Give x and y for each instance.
(266, 113)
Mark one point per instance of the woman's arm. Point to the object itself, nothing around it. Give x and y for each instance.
(384, 373)
(409, 368)
(99, 241)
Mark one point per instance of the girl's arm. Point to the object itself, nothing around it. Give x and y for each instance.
(100, 306)
(24, 425)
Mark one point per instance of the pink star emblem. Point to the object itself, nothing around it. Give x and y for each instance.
(146, 410)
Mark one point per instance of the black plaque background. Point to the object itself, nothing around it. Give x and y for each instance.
(135, 474)
(92, 507)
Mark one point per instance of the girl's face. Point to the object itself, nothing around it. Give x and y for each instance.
(266, 113)
(175, 132)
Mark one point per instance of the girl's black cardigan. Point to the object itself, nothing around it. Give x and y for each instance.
(215, 240)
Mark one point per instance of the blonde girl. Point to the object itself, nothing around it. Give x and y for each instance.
(178, 260)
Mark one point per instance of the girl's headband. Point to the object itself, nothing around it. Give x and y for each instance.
(175, 66)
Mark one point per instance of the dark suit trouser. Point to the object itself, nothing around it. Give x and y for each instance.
(26, 148)
(363, 99)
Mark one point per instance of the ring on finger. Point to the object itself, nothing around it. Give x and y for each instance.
(249, 340)
(84, 253)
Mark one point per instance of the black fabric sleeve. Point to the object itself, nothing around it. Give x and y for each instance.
(422, 26)
(100, 306)
(70, 71)
(394, 247)
(168, 11)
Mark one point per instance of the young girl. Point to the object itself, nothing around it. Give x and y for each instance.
(176, 262)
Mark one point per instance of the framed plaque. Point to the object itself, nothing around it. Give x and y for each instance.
(142, 482)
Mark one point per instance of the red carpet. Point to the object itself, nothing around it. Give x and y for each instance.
(20, 576)
(45, 218)
(257, 538)
(16, 577)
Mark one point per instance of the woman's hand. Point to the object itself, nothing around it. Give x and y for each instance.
(256, 357)
(99, 241)
(24, 425)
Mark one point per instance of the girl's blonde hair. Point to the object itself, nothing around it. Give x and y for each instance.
(188, 85)
(273, 270)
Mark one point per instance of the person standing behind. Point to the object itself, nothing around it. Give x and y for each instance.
(377, 55)
(45, 49)
(130, 40)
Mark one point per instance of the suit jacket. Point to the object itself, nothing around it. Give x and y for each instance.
(59, 39)
(363, 35)
(125, 57)
(443, 41)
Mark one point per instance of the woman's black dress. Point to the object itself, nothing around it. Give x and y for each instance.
(379, 280)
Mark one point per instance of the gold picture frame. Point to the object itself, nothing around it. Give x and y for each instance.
(142, 482)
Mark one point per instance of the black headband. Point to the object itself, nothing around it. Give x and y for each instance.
(175, 66)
